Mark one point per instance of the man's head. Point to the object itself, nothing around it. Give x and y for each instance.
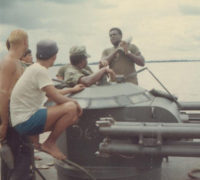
(115, 35)
(46, 49)
(78, 56)
(18, 38)
(27, 57)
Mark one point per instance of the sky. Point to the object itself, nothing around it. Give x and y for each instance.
(161, 29)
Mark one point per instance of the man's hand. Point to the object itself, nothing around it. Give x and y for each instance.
(77, 88)
(103, 63)
(111, 74)
(60, 77)
(3, 130)
(108, 59)
(124, 45)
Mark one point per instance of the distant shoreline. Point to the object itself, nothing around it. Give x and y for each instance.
(149, 61)
(163, 61)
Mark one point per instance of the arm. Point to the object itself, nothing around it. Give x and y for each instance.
(76, 88)
(57, 97)
(138, 59)
(6, 79)
(135, 57)
(106, 59)
(93, 78)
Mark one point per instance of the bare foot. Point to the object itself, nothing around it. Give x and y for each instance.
(52, 149)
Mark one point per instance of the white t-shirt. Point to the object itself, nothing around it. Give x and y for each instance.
(27, 96)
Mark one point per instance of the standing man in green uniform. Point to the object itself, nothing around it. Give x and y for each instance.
(78, 72)
(122, 57)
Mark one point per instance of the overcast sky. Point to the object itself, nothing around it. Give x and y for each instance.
(162, 29)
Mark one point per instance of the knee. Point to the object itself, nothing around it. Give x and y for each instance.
(71, 108)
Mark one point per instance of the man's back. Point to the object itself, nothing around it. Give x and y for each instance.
(27, 96)
(10, 67)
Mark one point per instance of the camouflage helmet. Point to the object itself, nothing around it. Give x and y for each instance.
(78, 50)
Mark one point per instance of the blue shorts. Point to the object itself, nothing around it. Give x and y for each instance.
(34, 125)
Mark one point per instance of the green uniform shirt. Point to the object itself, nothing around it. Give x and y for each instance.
(72, 74)
(61, 71)
(24, 64)
(121, 64)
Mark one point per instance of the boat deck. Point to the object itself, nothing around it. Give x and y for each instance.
(176, 168)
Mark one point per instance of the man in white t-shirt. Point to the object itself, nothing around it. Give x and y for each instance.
(28, 116)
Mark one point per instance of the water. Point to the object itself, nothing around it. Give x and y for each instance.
(180, 78)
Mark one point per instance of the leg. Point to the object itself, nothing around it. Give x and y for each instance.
(4, 170)
(36, 144)
(35, 141)
(59, 117)
(22, 151)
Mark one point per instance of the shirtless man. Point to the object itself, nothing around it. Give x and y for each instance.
(122, 57)
(10, 71)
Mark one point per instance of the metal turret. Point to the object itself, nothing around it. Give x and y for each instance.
(126, 131)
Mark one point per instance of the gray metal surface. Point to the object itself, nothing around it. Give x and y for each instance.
(123, 102)
(176, 168)
(165, 130)
(114, 95)
(169, 149)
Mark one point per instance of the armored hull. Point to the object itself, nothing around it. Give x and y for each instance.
(126, 103)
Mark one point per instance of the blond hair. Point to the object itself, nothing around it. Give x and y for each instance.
(17, 37)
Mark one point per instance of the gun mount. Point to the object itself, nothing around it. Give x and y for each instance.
(156, 139)
(126, 131)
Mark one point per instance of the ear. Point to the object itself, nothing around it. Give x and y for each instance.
(26, 42)
(81, 64)
(54, 58)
